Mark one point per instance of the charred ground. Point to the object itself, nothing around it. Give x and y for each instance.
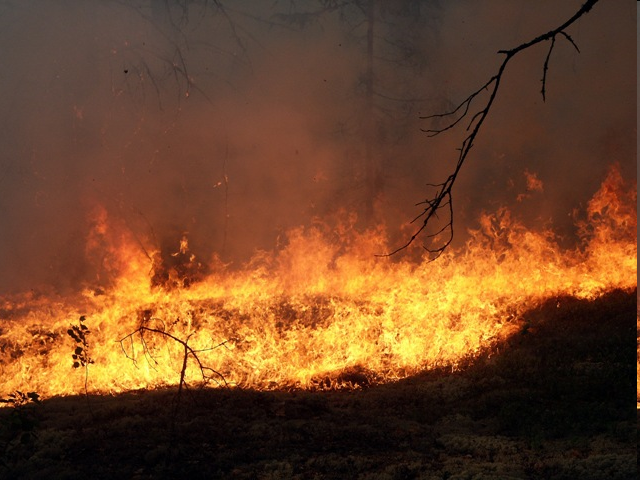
(554, 402)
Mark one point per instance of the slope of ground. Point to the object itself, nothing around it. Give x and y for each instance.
(555, 402)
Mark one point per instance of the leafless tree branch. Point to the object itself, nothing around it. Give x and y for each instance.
(443, 195)
(206, 372)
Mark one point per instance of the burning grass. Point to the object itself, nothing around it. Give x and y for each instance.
(314, 314)
(554, 401)
(512, 358)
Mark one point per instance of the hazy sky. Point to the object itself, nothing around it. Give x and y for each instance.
(173, 120)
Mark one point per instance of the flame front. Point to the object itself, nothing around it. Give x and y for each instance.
(306, 314)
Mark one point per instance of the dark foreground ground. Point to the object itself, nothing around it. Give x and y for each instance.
(556, 402)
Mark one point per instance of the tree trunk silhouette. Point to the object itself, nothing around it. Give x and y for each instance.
(372, 167)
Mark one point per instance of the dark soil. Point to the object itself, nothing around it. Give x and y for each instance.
(554, 402)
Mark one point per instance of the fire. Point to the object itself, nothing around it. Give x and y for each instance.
(316, 313)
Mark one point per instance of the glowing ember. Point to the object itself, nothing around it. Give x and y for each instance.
(315, 314)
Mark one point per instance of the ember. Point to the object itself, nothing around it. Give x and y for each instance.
(315, 314)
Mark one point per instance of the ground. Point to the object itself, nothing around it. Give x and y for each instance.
(554, 402)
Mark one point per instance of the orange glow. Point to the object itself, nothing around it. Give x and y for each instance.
(306, 314)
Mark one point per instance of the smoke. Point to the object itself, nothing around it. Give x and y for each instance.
(231, 129)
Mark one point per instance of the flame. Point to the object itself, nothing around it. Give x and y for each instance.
(534, 184)
(316, 313)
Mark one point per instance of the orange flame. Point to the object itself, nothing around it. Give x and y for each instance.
(315, 309)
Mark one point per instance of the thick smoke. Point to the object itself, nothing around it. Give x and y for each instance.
(232, 127)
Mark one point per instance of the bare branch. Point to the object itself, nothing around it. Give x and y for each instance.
(545, 68)
(466, 103)
(568, 37)
(206, 372)
(443, 195)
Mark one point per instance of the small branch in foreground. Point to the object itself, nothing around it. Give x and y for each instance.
(207, 373)
(80, 356)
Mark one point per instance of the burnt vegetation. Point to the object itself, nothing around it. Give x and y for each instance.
(18, 429)
(554, 401)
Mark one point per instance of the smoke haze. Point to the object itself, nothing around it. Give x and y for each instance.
(234, 126)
